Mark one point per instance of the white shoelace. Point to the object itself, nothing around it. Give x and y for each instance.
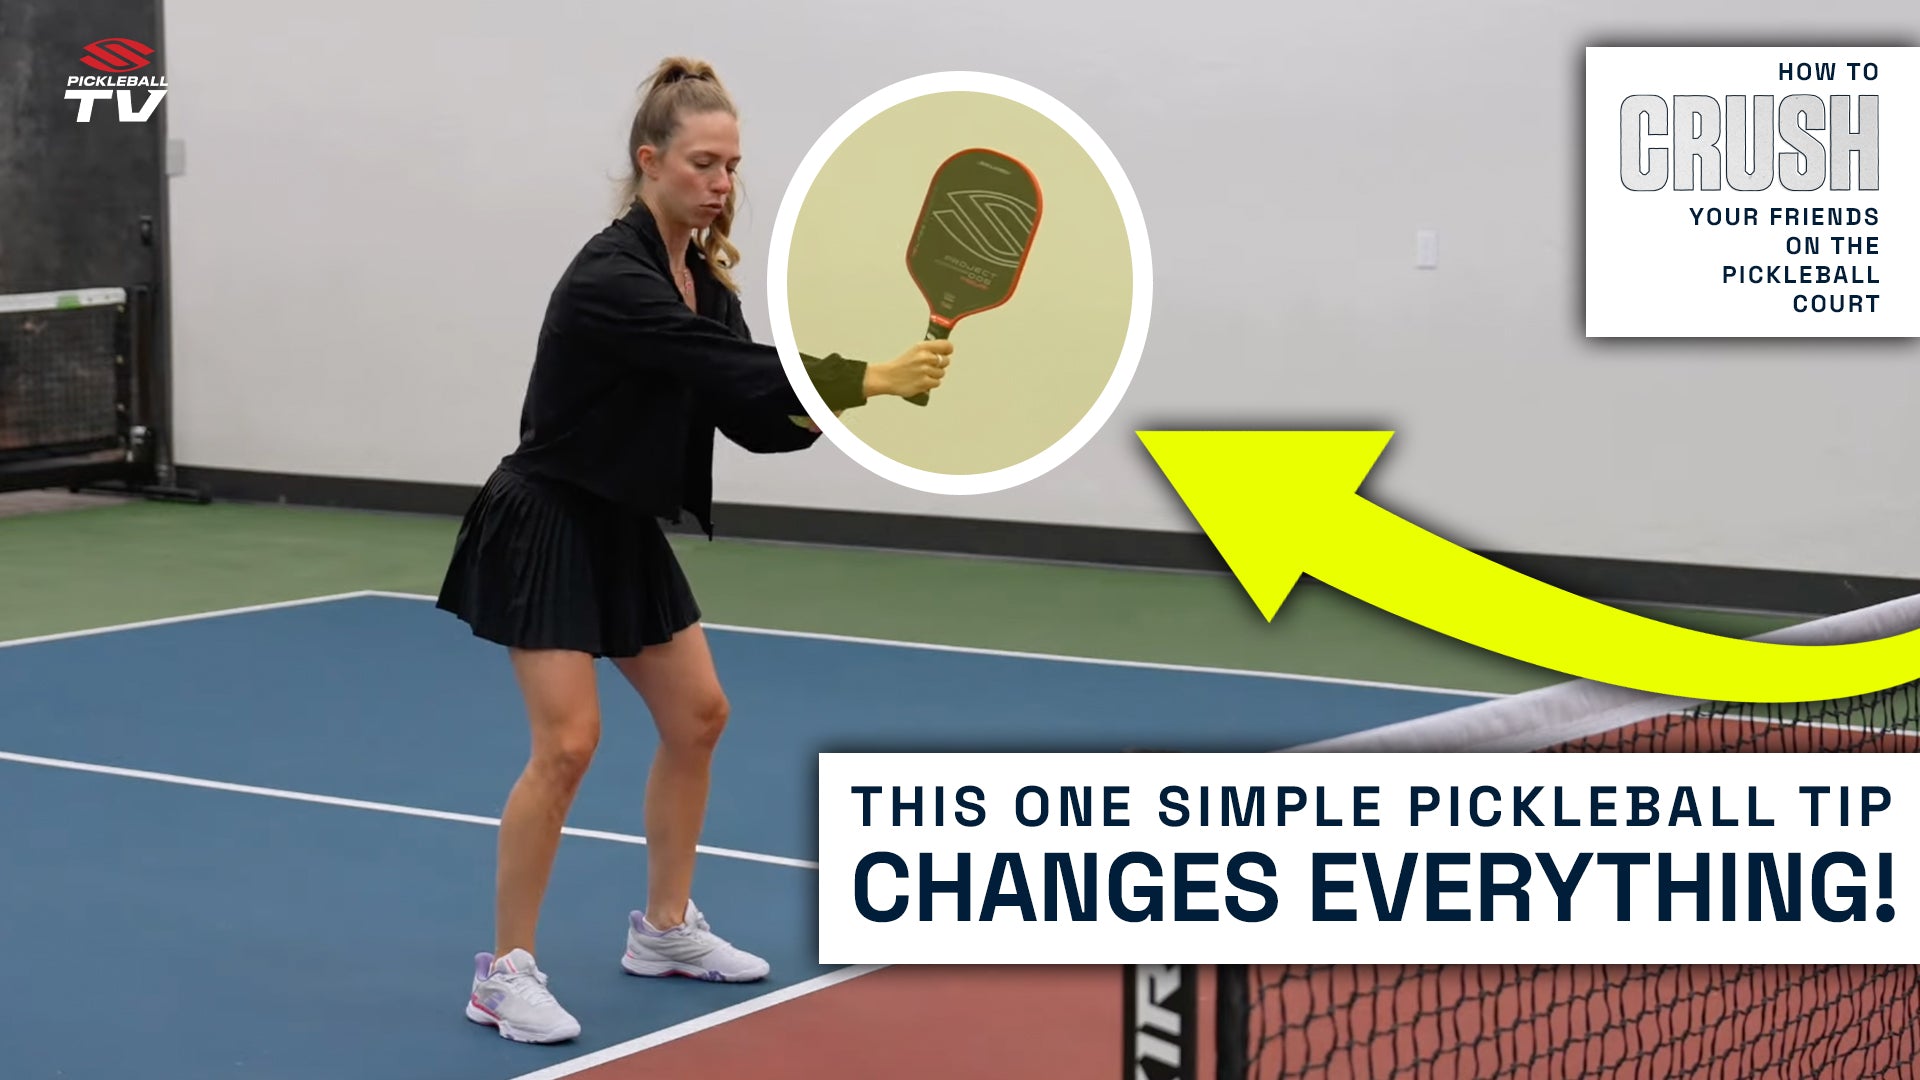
(533, 985)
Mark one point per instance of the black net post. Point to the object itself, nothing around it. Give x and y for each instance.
(1231, 1020)
(1161, 1006)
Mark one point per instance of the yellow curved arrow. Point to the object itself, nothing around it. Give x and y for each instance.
(1277, 504)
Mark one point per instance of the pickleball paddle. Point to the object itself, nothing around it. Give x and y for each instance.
(972, 237)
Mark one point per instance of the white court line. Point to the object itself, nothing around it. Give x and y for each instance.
(380, 807)
(698, 1024)
(709, 1020)
(564, 1068)
(1058, 658)
(194, 617)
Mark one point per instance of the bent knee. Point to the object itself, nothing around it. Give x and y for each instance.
(699, 724)
(568, 747)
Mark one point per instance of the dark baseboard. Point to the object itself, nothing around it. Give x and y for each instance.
(1626, 581)
(53, 472)
(338, 492)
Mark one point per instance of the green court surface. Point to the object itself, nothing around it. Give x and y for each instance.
(117, 563)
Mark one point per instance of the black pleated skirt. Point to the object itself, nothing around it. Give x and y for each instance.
(543, 565)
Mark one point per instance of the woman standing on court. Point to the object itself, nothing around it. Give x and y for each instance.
(643, 355)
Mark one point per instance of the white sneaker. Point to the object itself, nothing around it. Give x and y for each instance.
(510, 994)
(691, 949)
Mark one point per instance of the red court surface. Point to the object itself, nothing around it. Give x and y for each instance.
(930, 1023)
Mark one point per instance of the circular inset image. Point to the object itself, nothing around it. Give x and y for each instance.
(973, 208)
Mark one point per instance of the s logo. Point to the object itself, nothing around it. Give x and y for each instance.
(116, 55)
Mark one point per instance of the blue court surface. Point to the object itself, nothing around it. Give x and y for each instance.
(259, 843)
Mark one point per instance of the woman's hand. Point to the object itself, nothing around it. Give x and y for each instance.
(915, 371)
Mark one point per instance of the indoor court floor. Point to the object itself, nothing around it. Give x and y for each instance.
(251, 774)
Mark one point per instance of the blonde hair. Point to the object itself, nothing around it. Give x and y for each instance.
(681, 86)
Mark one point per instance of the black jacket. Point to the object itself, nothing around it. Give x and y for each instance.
(629, 385)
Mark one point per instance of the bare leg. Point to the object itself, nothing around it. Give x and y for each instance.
(682, 690)
(563, 711)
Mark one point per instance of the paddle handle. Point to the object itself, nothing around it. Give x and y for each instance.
(935, 332)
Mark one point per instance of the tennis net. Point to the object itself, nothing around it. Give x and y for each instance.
(1601, 1021)
(64, 373)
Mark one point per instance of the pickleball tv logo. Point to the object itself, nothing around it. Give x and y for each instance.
(116, 58)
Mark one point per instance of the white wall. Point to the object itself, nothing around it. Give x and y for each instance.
(379, 197)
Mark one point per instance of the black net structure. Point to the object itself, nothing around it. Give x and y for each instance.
(82, 402)
(65, 376)
(1606, 1021)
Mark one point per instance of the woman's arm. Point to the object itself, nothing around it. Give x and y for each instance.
(839, 380)
(765, 434)
(842, 382)
(638, 314)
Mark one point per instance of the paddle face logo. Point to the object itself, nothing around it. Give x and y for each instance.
(992, 226)
(116, 56)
